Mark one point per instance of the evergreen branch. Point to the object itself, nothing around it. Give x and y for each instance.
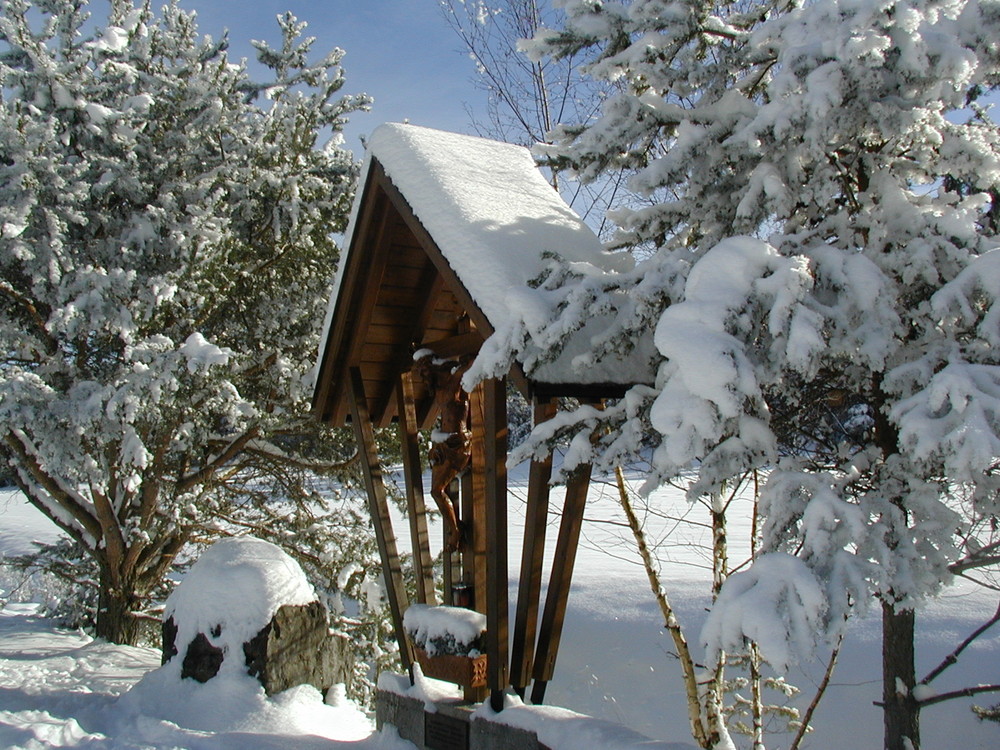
(111, 529)
(205, 473)
(54, 492)
(320, 467)
(165, 559)
(29, 307)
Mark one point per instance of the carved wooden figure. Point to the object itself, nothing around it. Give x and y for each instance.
(451, 442)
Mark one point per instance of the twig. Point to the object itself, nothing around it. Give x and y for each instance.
(670, 619)
(953, 656)
(823, 685)
(963, 693)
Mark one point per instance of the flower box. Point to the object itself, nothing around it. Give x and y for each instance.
(447, 642)
(467, 671)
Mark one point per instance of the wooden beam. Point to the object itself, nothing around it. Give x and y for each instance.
(550, 629)
(495, 433)
(413, 479)
(331, 379)
(474, 499)
(532, 555)
(378, 507)
(456, 346)
(582, 391)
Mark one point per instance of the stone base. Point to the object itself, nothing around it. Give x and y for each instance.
(294, 648)
(450, 727)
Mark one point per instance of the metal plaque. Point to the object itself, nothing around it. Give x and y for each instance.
(445, 732)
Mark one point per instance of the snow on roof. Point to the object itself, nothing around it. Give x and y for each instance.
(488, 208)
(234, 589)
(493, 216)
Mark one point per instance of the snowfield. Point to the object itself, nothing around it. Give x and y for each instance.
(61, 689)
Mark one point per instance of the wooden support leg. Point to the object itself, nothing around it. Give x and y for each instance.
(550, 629)
(379, 509)
(495, 433)
(416, 510)
(473, 502)
(532, 554)
(451, 560)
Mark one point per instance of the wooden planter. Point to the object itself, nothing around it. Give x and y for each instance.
(467, 671)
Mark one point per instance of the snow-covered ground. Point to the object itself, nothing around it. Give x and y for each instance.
(60, 689)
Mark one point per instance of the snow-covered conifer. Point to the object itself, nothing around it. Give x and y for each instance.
(165, 250)
(817, 186)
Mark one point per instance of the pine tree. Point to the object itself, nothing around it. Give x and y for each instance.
(165, 252)
(816, 187)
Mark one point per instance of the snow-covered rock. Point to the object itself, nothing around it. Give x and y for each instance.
(245, 607)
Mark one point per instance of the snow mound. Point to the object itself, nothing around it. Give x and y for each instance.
(233, 591)
(562, 729)
(229, 595)
(236, 703)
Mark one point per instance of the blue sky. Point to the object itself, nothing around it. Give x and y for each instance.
(401, 52)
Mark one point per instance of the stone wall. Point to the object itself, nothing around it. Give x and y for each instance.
(449, 727)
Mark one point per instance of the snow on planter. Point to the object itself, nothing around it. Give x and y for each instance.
(440, 631)
(448, 643)
(245, 607)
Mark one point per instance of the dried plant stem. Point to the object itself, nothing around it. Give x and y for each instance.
(698, 730)
(824, 683)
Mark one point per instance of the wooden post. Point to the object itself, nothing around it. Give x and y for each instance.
(532, 554)
(550, 629)
(494, 428)
(413, 479)
(473, 502)
(466, 560)
(452, 560)
(379, 509)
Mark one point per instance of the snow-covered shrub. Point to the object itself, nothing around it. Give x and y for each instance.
(60, 577)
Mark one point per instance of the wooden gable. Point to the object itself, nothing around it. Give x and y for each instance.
(397, 294)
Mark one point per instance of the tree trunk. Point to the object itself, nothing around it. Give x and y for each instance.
(901, 714)
(116, 605)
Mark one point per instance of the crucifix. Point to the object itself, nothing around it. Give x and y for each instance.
(451, 442)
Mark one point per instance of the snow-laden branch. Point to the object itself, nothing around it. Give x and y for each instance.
(66, 507)
(205, 472)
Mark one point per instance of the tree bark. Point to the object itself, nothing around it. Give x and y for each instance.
(901, 711)
(116, 606)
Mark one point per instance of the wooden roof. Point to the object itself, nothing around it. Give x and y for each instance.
(397, 293)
